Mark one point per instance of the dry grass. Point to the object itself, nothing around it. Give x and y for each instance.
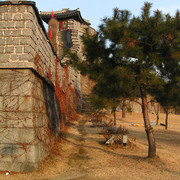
(81, 153)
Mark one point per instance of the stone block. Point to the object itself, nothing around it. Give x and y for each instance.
(19, 119)
(14, 57)
(25, 41)
(7, 75)
(30, 9)
(10, 25)
(44, 150)
(42, 107)
(26, 135)
(17, 135)
(27, 49)
(19, 24)
(6, 135)
(18, 49)
(26, 103)
(1, 33)
(6, 152)
(29, 24)
(3, 9)
(1, 104)
(21, 9)
(26, 57)
(17, 17)
(18, 167)
(7, 33)
(1, 49)
(4, 58)
(8, 149)
(6, 158)
(28, 16)
(28, 153)
(11, 103)
(2, 41)
(9, 49)
(36, 105)
(39, 120)
(5, 87)
(3, 120)
(12, 41)
(12, 9)
(26, 32)
(22, 88)
(3, 24)
(8, 17)
(16, 33)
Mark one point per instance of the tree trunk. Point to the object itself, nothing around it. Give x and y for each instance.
(157, 114)
(166, 123)
(114, 116)
(123, 108)
(148, 128)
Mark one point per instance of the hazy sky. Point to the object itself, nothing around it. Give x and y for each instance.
(95, 10)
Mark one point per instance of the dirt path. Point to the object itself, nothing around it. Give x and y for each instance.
(82, 155)
(77, 159)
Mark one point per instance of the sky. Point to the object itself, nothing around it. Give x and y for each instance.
(96, 10)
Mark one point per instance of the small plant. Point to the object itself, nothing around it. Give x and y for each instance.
(122, 130)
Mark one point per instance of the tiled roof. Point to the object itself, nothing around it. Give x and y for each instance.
(64, 14)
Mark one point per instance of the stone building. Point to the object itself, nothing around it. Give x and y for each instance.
(66, 28)
(38, 91)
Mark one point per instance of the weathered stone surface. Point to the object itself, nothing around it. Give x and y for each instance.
(17, 17)
(26, 104)
(26, 32)
(2, 41)
(18, 49)
(8, 17)
(15, 33)
(1, 103)
(11, 25)
(29, 24)
(25, 41)
(3, 9)
(21, 8)
(7, 33)
(14, 57)
(18, 167)
(8, 149)
(5, 88)
(19, 24)
(2, 49)
(3, 25)
(17, 135)
(11, 103)
(18, 120)
(9, 49)
(27, 17)
(21, 88)
(12, 9)
(12, 41)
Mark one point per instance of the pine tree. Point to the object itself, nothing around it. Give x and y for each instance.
(133, 55)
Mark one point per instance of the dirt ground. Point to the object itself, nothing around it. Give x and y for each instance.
(82, 155)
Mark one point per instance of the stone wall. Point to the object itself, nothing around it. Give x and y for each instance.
(37, 92)
(23, 41)
(24, 132)
(71, 38)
